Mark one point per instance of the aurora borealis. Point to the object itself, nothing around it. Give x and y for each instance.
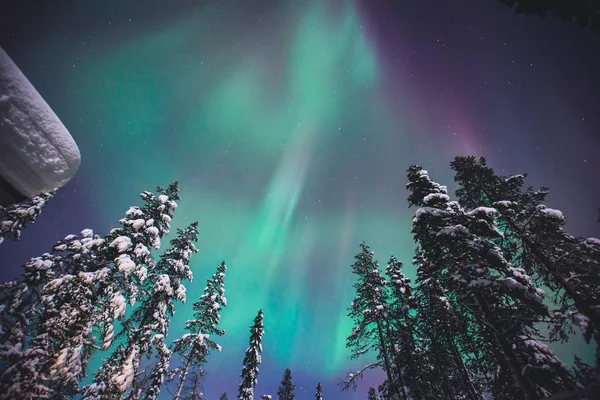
(289, 125)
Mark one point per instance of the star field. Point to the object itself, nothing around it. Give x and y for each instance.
(289, 126)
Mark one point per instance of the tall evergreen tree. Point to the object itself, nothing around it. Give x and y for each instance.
(533, 236)
(194, 347)
(368, 311)
(252, 360)
(149, 323)
(401, 327)
(129, 259)
(285, 391)
(498, 298)
(319, 393)
(54, 314)
(17, 216)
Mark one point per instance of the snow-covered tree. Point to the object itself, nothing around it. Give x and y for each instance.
(319, 392)
(129, 260)
(369, 314)
(285, 391)
(17, 216)
(402, 324)
(193, 347)
(149, 323)
(536, 242)
(496, 297)
(223, 396)
(252, 360)
(56, 306)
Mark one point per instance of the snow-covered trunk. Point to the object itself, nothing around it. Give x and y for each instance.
(183, 378)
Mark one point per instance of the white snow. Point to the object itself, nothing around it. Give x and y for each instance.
(436, 197)
(163, 198)
(87, 233)
(592, 240)
(483, 211)
(125, 264)
(122, 243)
(552, 213)
(37, 153)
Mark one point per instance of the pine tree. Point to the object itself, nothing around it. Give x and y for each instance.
(533, 236)
(223, 396)
(252, 360)
(55, 313)
(500, 299)
(194, 347)
(368, 311)
(402, 325)
(319, 393)
(17, 216)
(285, 391)
(149, 324)
(129, 260)
(439, 371)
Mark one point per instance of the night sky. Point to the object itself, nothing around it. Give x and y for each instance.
(289, 125)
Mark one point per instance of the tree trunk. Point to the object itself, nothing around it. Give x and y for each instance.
(464, 372)
(397, 364)
(386, 361)
(182, 380)
(527, 389)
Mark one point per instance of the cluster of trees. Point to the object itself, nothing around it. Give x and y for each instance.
(470, 326)
(109, 296)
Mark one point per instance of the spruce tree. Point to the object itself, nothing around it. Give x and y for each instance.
(533, 236)
(368, 312)
(129, 260)
(223, 396)
(194, 346)
(500, 299)
(148, 326)
(319, 393)
(53, 316)
(252, 360)
(285, 391)
(17, 216)
(402, 325)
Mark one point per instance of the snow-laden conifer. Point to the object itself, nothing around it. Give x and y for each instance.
(17, 216)
(368, 311)
(498, 298)
(252, 360)
(535, 241)
(194, 346)
(129, 260)
(285, 391)
(319, 392)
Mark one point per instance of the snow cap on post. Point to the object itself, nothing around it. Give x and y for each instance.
(37, 153)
